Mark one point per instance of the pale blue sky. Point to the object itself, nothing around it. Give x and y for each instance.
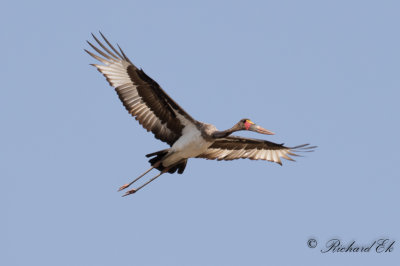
(324, 72)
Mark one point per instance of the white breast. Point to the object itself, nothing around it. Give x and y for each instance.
(190, 144)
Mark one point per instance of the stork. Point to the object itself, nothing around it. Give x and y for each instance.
(188, 138)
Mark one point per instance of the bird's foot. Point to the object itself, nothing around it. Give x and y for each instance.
(129, 192)
(123, 187)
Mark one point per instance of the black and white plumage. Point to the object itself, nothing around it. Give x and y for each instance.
(188, 138)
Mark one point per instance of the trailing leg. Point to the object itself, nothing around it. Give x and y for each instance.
(127, 185)
(137, 189)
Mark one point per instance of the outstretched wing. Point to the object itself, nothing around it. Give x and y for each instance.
(142, 96)
(232, 148)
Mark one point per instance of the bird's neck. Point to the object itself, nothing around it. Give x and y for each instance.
(224, 134)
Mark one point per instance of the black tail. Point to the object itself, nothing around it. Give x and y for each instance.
(159, 155)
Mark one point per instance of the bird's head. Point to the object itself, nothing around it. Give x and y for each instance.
(247, 124)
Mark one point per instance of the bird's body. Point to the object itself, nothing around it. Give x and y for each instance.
(194, 141)
(191, 144)
(188, 138)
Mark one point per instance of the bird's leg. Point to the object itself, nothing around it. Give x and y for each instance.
(127, 185)
(137, 189)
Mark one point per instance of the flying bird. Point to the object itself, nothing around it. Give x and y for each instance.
(188, 138)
